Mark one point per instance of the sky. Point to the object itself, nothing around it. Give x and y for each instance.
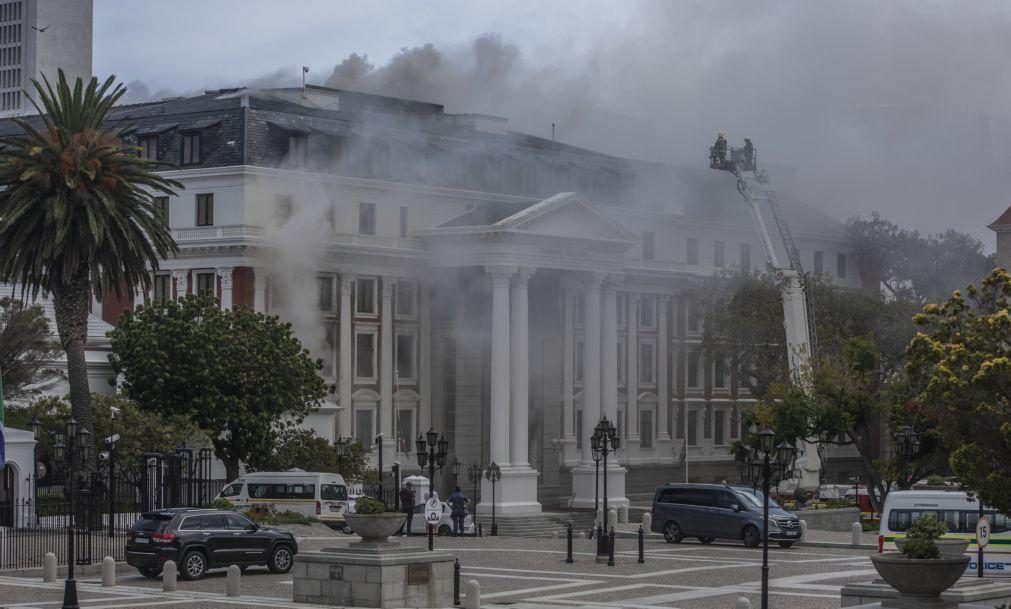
(898, 107)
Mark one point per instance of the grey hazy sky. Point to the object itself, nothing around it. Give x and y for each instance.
(894, 106)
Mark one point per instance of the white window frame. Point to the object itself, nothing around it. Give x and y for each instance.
(375, 297)
(622, 363)
(693, 429)
(333, 292)
(726, 374)
(366, 404)
(400, 377)
(720, 414)
(375, 218)
(330, 350)
(695, 383)
(413, 313)
(649, 343)
(647, 440)
(655, 302)
(406, 400)
(197, 274)
(578, 345)
(372, 331)
(621, 309)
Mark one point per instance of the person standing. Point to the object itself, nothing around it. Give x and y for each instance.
(407, 503)
(458, 504)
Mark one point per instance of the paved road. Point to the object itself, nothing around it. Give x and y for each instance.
(527, 573)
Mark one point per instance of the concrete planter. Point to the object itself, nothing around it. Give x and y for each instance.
(920, 578)
(375, 528)
(948, 547)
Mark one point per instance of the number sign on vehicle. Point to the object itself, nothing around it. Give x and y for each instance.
(433, 511)
(983, 532)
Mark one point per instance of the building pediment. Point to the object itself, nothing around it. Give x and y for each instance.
(565, 215)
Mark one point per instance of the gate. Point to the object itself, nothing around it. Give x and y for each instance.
(179, 479)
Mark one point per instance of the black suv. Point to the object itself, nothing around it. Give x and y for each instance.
(202, 539)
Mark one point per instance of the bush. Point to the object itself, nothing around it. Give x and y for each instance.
(935, 480)
(921, 535)
(222, 504)
(368, 505)
(263, 514)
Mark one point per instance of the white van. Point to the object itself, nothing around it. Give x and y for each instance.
(959, 513)
(316, 494)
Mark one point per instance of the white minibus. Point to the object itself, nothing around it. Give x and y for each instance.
(317, 494)
(960, 514)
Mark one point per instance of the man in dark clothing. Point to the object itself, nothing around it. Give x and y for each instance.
(407, 503)
(458, 504)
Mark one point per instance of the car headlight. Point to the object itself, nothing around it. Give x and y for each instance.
(773, 523)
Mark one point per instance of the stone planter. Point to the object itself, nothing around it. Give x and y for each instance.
(375, 528)
(948, 547)
(919, 578)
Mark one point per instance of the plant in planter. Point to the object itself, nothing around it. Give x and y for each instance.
(373, 521)
(921, 571)
(923, 540)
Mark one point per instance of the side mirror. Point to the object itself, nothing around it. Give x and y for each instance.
(736, 507)
(252, 528)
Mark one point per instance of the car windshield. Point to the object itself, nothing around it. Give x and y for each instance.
(753, 498)
(152, 523)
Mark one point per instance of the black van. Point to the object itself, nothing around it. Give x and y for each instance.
(711, 511)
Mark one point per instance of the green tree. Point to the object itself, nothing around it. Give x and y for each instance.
(301, 448)
(77, 215)
(960, 368)
(25, 345)
(241, 376)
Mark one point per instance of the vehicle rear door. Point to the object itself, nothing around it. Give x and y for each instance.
(250, 542)
(704, 502)
(333, 501)
(727, 516)
(208, 531)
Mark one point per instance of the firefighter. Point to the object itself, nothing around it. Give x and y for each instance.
(749, 154)
(720, 148)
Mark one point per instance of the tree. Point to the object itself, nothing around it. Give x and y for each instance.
(240, 376)
(960, 366)
(77, 215)
(300, 448)
(25, 345)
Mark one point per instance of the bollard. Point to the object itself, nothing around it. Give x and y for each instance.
(623, 514)
(49, 567)
(642, 552)
(742, 603)
(600, 541)
(456, 582)
(480, 529)
(803, 530)
(233, 581)
(168, 576)
(857, 531)
(598, 517)
(473, 594)
(647, 521)
(610, 549)
(431, 539)
(568, 544)
(108, 571)
(612, 519)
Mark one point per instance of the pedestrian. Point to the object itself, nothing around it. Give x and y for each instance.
(407, 503)
(458, 503)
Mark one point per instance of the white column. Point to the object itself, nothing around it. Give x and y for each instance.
(182, 282)
(631, 422)
(225, 274)
(346, 346)
(609, 350)
(500, 363)
(519, 368)
(386, 370)
(662, 382)
(425, 415)
(591, 363)
(568, 363)
(260, 290)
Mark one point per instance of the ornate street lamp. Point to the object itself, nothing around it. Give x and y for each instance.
(608, 442)
(432, 453)
(378, 441)
(493, 473)
(342, 446)
(456, 472)
(474, 473)
(907, 444)
(595, 451)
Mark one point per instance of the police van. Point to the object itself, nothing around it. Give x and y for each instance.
(316, 494)
(959, 513)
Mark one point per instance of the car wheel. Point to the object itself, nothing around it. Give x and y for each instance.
(786, 544)
(672, 532)
(194, 565)
(444, 530)
(347, 530)
(751, 536)
(150, 572)
(706, 540)
(281, 560)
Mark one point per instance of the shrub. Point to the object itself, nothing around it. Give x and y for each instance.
(921, 535)
(262, 514)
(222, 504)
(935, 480)
(368, 505)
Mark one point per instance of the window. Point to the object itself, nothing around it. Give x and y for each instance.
(718, 250)
(403, 222)
(406, 298)
(719, 427)
(405, 356)
(647, 363)
(333, 492)
(149, 147)
(840, 266)
(819, 262)
(648, 245)
(206, 285)
(363, 428)
(622, 309)
(191, 148)
(693, 428)
(745, 256)
(331, 216)
(579, 361)
(330, 351)
(298, 148)
(645, 429)
(162, 288)
(326, 285)
(647, 312)
(693, 250)
(205, 209)
(405, 431)
(621, 362)
(719, 372)
(692, 375)
(232, 490)
(366, 218)
(692, 311)
(161, 212)
(283, 208)
(365, 296)
(365, 356)
(273, 490)
(580, 308)
(278, 292)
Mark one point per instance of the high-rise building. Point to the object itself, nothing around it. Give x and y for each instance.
(37, 37)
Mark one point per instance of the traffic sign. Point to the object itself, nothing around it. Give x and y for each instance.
(433, 511)
(983, 532)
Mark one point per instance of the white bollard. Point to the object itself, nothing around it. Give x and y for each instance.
(472, 589)
(49, 567)
(857, 532)
(612, 519)
(233, 583)
(647, 522)
(742, 603)
(803, 530)
(168, 576)
(108, 571)
(598, 519)
(623, 515)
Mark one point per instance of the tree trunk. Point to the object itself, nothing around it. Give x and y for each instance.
(231, 469)
(70, 302)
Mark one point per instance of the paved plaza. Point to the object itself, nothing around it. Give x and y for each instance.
(524, 573)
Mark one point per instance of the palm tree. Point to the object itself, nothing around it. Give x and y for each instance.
(77, 213)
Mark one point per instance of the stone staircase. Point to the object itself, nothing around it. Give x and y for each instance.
(542, 525)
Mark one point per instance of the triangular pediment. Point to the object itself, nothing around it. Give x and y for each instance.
(565, 215)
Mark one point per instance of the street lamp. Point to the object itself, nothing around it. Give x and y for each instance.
(907, 444)
(456, 471)
(608, 442)
(431, 452)
(341, 446)
(474, 473)
(595, 452)
(71, 446)
(493, 473)
(769, 462)
(378, 441)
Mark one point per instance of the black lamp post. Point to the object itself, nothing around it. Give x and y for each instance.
(378, 441)
(341, 447)
(71, 446)
(595, 452)
(769, 463)
(971, 496)
(907, 444)
(493, 473)
(474, 473)
(607, 443)
(432, 452)
(456, 471)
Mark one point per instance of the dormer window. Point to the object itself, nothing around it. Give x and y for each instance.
(298, 148)
(149, 147)
(191, 147)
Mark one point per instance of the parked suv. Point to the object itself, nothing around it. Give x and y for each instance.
(202, 539)
(711, 511)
